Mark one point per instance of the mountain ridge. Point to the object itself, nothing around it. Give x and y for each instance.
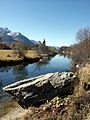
(9, 37)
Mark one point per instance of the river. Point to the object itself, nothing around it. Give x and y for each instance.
(11, 74)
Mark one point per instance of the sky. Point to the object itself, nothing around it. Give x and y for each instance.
(57, 21)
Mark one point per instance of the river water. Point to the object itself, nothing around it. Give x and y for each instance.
(11, 74)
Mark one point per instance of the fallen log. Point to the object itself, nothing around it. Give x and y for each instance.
(35, 91)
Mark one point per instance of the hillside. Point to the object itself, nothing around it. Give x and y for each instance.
(9, 37)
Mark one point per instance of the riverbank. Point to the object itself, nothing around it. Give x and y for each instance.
(12, 111)
(75, 106)
(7, 57)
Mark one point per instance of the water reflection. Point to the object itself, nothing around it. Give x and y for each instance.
(66, 56)
(5, 69)
(42, 63)
(11, 74)
(20, 72)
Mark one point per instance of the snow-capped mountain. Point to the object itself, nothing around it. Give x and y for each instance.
(9, 37)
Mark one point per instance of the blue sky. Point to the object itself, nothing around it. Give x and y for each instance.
(55, 20)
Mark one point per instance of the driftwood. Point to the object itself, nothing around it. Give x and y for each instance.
(35, 91)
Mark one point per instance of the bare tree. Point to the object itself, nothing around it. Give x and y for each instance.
(19, 48)
(83, 34)
(81, 51)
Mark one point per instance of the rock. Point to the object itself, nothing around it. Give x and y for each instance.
(35, 91)
(41, 60)
(87, 86)
(47, 107)
(77, 66)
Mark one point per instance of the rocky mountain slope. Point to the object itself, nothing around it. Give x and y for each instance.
(9, 37)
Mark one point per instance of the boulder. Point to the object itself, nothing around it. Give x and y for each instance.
(37, 90)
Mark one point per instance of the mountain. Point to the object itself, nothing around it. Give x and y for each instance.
(4, 37)
(9, 37)
(35, 42)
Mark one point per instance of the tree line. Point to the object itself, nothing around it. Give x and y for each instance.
(81, 50)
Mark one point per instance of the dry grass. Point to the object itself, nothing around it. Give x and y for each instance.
(32, 54)
(12, 111)
(84, 73)
(7, 108)
(79, 105)
(8, 55)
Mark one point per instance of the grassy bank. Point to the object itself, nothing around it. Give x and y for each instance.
(72, 107)
(7, 55)
(79, 102)
(12, 111)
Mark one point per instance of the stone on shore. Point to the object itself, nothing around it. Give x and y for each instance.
(37, 90)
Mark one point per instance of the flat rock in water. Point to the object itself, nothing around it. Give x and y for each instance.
(35, 91)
